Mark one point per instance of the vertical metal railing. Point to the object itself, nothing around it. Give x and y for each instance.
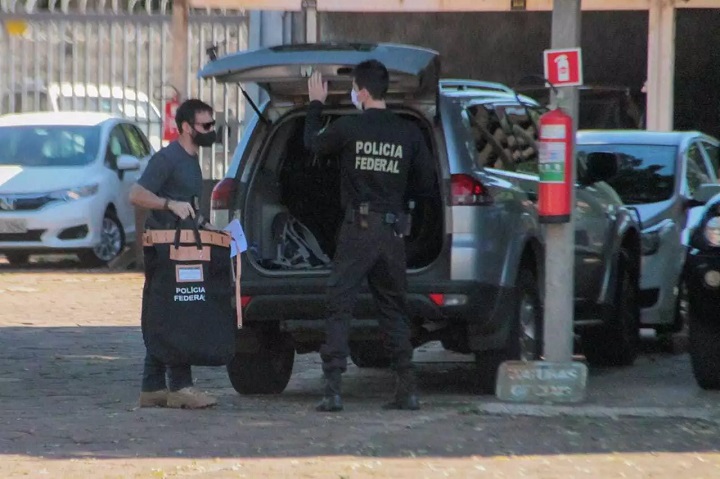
(100, 54)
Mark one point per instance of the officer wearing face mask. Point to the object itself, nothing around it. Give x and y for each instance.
(167, 187)
(380, 153)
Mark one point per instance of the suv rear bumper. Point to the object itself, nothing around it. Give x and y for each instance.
(485, 309)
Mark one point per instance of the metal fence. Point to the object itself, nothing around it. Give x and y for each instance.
(106, 56)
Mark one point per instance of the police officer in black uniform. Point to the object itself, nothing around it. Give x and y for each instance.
(380, 153)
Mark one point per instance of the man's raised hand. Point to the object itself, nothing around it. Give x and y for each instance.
(317, 88)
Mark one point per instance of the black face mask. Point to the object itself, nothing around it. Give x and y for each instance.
(205, 139)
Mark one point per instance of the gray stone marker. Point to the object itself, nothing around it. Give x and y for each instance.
(541, 382)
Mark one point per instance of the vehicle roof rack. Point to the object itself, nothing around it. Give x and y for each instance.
(460, 84)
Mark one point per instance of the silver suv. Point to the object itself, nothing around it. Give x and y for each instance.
(475, 254)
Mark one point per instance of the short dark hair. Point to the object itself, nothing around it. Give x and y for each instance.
(373, 76)
(186, 112)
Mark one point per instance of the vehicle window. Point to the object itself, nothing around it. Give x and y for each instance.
(138, 147)
(697, 173)
(504, 137)
(146, 142)
(713, 153)
(48, 145)
(646, 172)
(117, 145)
(519, 123)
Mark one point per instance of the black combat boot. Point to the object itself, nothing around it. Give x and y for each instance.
(331, 400)
(405, 392)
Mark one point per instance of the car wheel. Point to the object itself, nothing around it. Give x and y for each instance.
(112, 242)
(17, 259)
(704, 337)
(267, 369)
(617, 341)
(525, 340)
(369, 354)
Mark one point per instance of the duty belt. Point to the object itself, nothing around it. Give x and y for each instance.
(355, 214)
(401, 223)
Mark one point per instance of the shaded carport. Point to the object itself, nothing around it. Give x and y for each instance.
(661, 31)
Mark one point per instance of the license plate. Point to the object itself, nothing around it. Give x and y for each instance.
(13, 226)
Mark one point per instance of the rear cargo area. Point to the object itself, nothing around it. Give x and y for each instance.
(292, 214)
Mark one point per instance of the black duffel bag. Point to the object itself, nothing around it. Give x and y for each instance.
(187, 313)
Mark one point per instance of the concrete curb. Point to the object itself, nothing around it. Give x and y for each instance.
(539, 410)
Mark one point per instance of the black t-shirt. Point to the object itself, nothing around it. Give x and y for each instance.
(175, 174)
(379, 154)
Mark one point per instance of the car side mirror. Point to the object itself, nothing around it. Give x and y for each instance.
(703, 194)
(600, 167)
(127, 162)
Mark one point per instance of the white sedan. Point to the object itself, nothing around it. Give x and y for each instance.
(64, 184)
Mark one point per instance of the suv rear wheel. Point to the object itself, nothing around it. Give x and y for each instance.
(265, 370)
(616, 342)
(524, 342)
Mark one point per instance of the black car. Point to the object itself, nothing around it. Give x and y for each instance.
(702, 277)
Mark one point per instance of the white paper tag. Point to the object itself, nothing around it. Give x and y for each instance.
(189, 273)
(239, 241)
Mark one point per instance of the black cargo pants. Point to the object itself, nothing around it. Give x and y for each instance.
(377, 254)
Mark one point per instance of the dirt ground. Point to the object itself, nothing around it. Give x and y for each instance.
(70, 365)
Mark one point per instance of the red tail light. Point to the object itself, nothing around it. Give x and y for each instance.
(245, 300)
(437, 298)
(222, 195)
(466, 190)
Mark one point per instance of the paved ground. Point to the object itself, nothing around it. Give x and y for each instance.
(70, 363)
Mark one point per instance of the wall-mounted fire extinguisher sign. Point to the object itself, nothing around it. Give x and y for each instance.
(555, 167)
(170, 131)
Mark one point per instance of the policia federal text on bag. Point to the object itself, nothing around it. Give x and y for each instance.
(187, 314)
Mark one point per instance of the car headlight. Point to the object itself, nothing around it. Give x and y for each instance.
(74, 193)
(712, 232)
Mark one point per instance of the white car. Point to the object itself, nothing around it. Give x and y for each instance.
(661, 175)
(64, 184)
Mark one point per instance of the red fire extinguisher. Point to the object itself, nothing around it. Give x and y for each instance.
(555, 167)
(170, 130)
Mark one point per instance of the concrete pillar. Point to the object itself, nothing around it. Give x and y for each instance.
(311, 21)
(180, 47)
(560, 238)
(661, 65)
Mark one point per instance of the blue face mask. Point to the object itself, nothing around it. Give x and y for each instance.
(355, 101)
